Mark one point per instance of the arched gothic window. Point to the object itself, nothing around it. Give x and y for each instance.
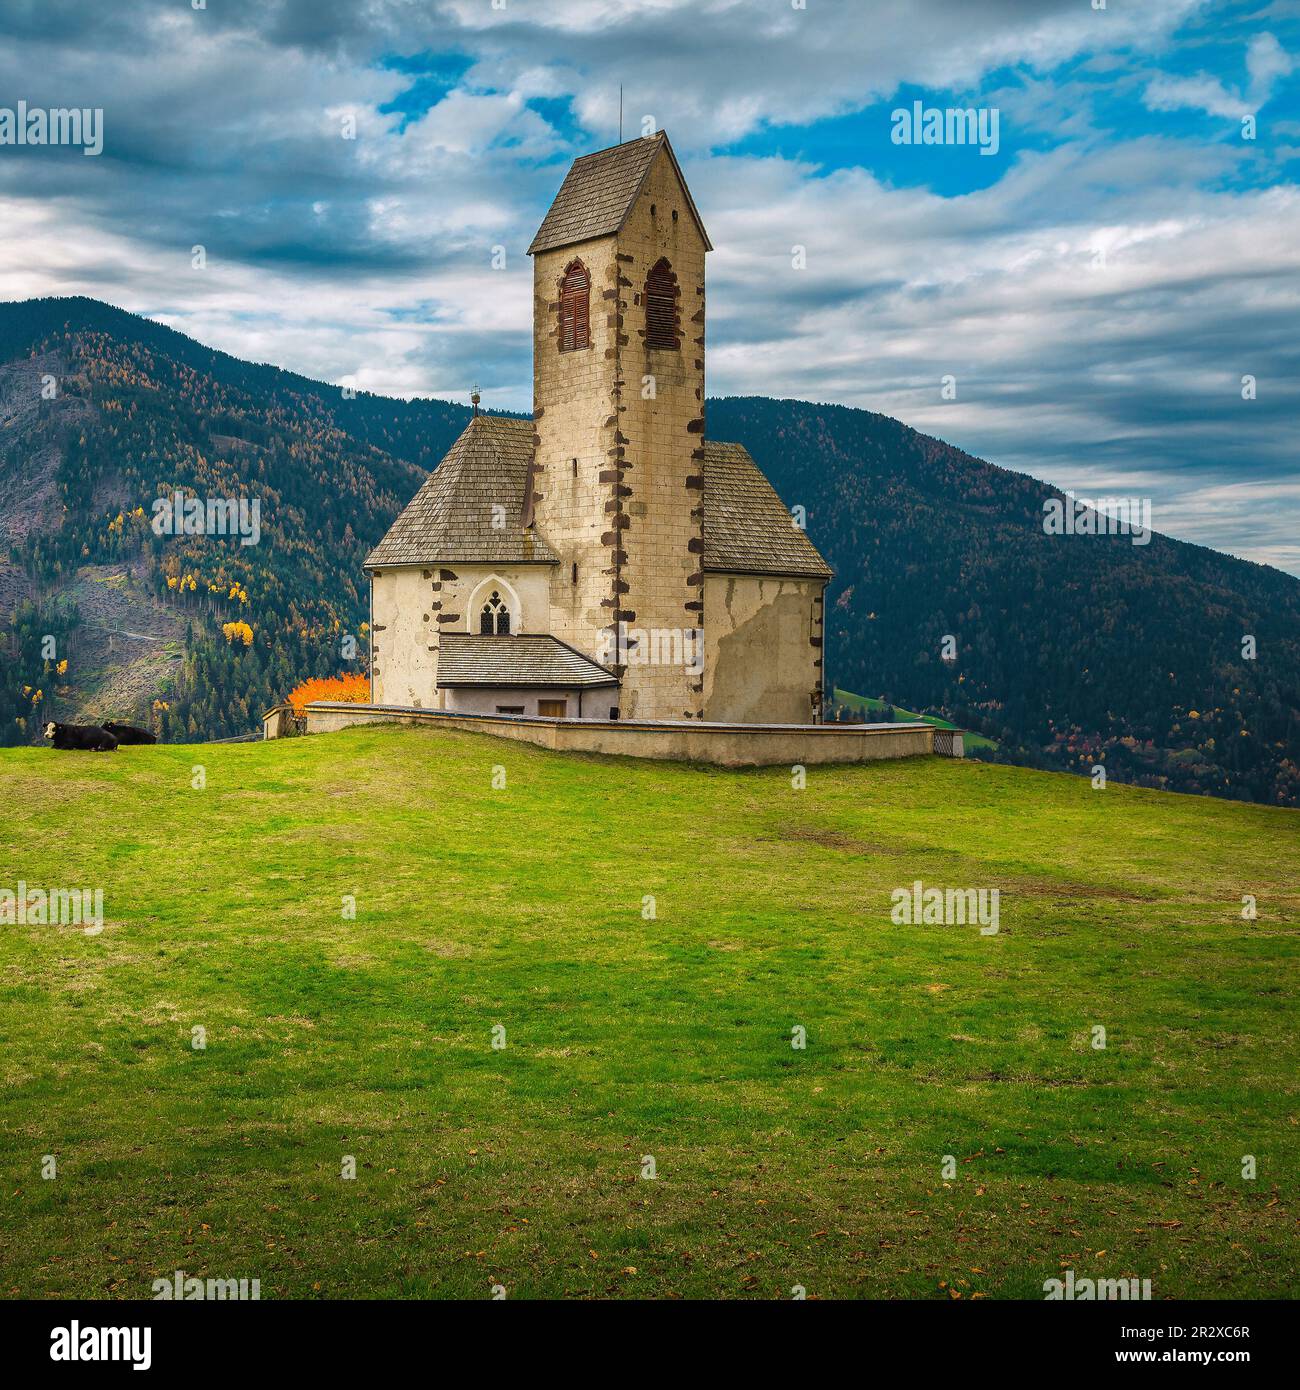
(661, 307)
(575, 297)
(494, 618)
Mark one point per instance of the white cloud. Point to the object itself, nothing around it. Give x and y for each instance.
(1266, 63)
(1064, 365)
(372, 258)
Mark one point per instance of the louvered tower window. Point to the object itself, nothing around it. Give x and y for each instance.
(575, 297)
(661, 307)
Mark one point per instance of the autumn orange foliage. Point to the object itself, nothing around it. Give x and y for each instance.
(352, 689)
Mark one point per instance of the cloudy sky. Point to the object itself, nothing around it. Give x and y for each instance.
(1098, 287)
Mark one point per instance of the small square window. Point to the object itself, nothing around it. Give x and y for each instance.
(510, 709)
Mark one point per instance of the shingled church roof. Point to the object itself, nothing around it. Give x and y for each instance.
(747, 529)
(599, 190)
(535, 661)
(454, 516)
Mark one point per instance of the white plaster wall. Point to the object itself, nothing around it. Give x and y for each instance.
(596, 704)
(759, 650)
(527, 590)
(403, 638)
(414, 604)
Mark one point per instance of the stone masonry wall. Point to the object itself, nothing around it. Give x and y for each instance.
(574, 426)
(663, 456)
(628, 514)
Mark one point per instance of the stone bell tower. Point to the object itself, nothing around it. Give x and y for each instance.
(618, 410)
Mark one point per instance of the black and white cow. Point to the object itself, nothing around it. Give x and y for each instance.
(89, 737)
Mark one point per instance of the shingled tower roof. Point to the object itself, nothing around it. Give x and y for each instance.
(599, 190)
(451, 517)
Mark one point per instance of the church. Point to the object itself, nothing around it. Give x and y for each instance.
(604, 560)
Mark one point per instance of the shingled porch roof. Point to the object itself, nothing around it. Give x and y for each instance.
(533, 661)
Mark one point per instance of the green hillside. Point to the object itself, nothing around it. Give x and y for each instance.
(142, 412)
(872, 708)
(1069, 651)
(630, 1037)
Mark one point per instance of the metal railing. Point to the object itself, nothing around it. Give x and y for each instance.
(948, 743)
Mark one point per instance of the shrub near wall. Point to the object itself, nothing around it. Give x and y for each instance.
(351, 689)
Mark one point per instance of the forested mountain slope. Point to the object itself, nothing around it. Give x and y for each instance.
(1069, 650)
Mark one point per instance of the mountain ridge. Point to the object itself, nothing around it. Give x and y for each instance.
(1069, 651)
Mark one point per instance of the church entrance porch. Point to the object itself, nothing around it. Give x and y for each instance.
(534, 676)
(601, 703)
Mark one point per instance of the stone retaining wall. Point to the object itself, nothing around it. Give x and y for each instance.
(726, 745)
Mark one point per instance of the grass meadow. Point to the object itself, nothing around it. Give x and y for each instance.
(632, 1036)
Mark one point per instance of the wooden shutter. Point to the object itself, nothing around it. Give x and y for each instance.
(575, 331)
(661, 307)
